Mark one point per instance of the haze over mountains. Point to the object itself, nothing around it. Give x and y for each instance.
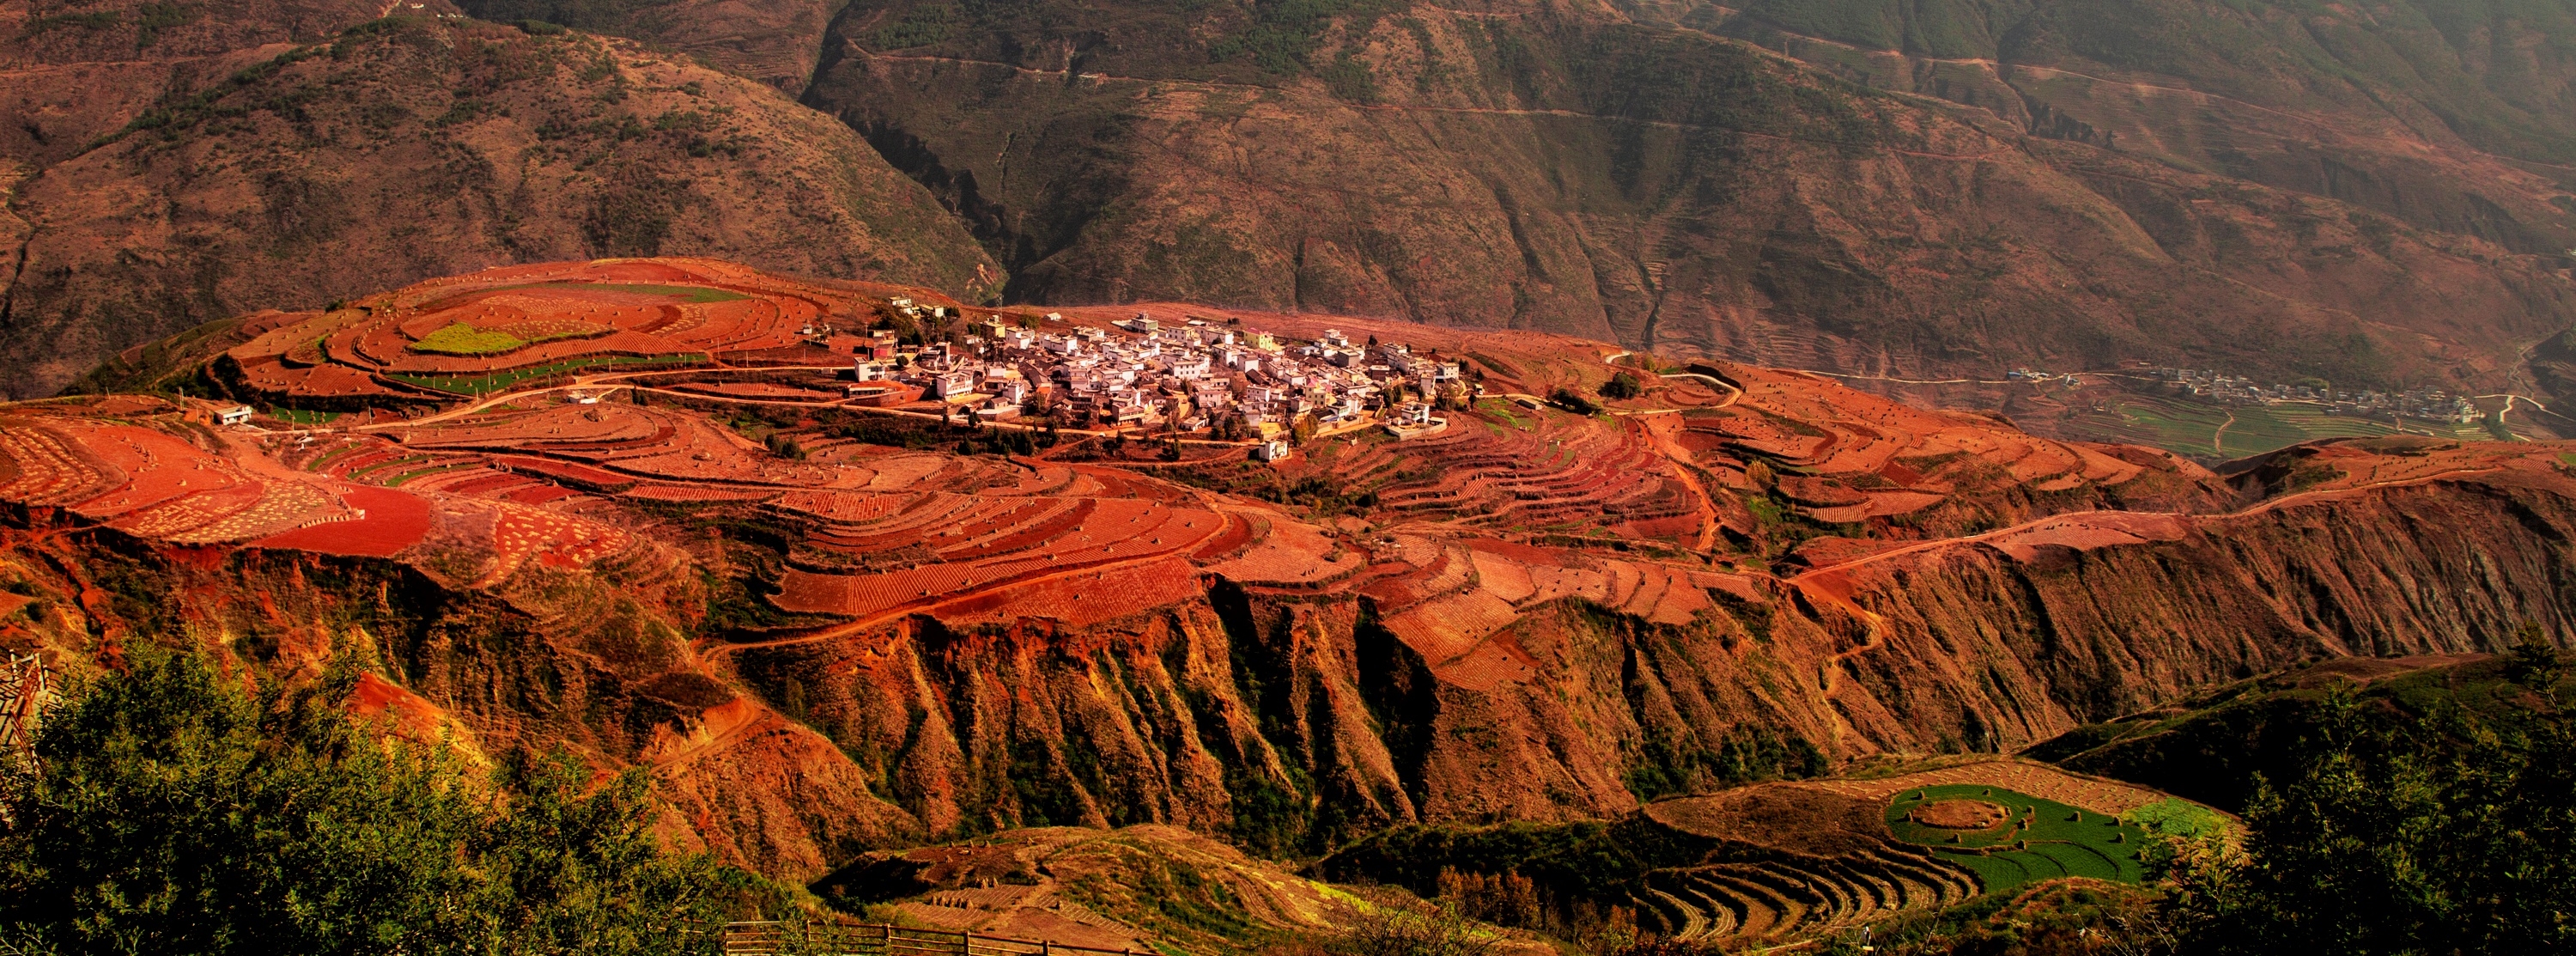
(2375, 196)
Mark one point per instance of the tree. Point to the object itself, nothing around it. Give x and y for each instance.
(173, 812)
(1574, 401)
(2450, 833)
(1622, 385)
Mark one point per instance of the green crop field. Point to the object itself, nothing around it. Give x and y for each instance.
(2207, 429)
(498, 381)
(690, 294)
(2041, 840)
(463, 339)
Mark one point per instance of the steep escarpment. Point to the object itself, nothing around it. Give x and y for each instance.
(414, 148)
(1566, 170)
(1286, 724)
(1289, 722)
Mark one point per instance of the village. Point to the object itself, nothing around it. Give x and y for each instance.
(1217, 379)
(2425, 404)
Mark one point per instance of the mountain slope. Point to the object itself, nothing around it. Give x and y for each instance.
(412, 148)
(1563, 168)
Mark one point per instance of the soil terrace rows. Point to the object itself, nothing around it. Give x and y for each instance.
(535, 317)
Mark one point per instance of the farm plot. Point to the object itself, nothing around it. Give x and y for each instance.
(47, 467)
(384, 521)
(2026, 839)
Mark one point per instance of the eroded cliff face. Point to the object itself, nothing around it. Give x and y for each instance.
(1289, 721)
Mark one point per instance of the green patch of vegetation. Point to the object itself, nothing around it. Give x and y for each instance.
(1622, 385)
(1507, 412)
(2215, 747)
(1350, 78)
(692, 294)
(382, 465)
(1745, 755)
(2203, 429)
(463, 339)
(2388, 831)
(168, 810)
(1574, 861)
(2043, 839)
(1285, 33)
(153, 18)
(405, 477)
(920, 26)
(502, 381)
(172, 120)
(2176, 817)
(302, 416)
(327, 457)
(99, 20)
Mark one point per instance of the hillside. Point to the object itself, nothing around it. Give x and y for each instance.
(299, 174)
(1630, 178)
(1906, 191)
(829, 623)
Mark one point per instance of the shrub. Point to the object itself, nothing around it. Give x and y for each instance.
(1391, 924)
(173, 812)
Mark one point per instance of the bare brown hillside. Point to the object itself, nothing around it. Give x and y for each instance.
(296, 174)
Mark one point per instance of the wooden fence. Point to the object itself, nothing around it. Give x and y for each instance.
(772, 938)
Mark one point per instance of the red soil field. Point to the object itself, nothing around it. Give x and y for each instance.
(1082, 599)
(583, 477)
(393, 520)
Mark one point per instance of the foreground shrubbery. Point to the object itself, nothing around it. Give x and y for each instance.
(2387, 832)
(2446, 834)
(173, 812)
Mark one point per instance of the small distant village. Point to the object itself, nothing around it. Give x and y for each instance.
(1200, 375)
(2426, 404)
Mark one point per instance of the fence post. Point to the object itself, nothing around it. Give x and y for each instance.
(886, 948)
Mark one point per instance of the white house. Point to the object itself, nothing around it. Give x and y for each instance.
(236, 415)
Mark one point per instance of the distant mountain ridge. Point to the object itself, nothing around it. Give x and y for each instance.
(324, 160)
(2066, 184)
(2377, 198)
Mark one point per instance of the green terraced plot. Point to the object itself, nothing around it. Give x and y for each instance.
(302, 416)
(2207, 430)
(463, 339)
(2040, 840)
(695, 295)
(499, 381)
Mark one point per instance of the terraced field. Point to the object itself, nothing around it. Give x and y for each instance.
(1791, 896)
(497, 329)
(2035, 839)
